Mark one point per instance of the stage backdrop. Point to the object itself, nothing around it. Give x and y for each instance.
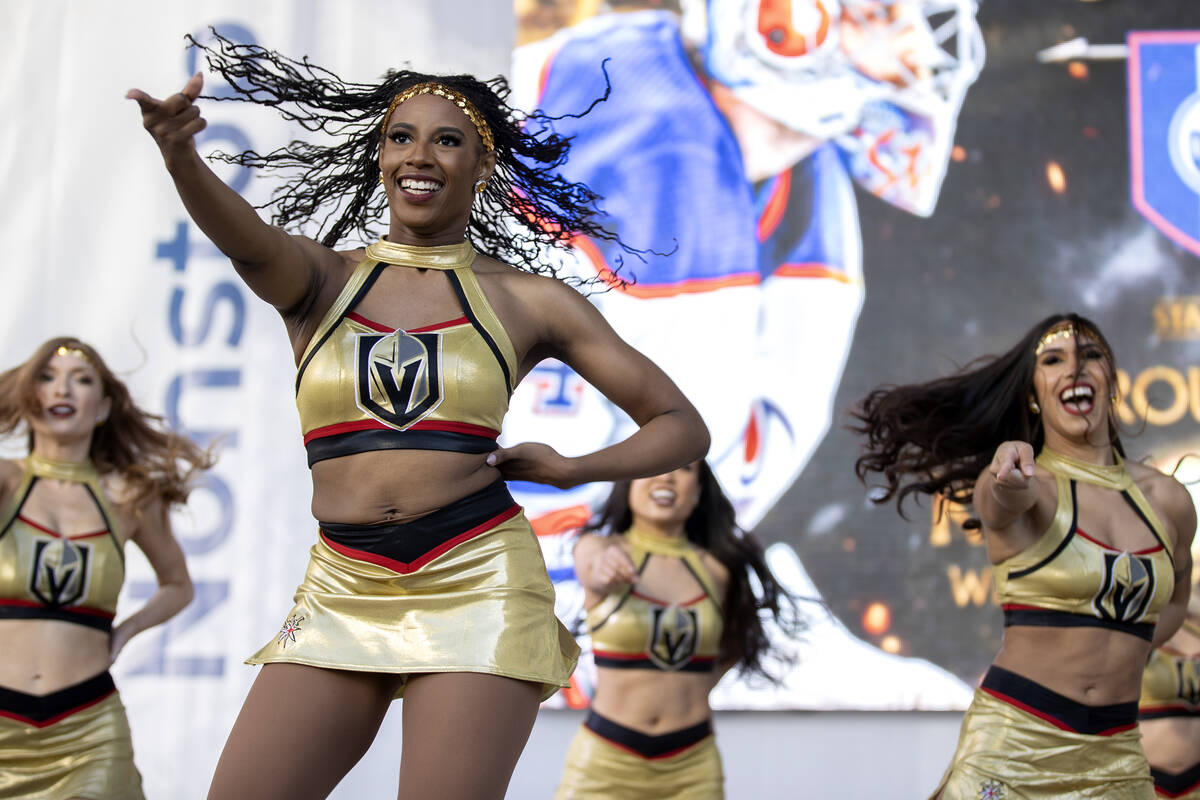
(848, 194)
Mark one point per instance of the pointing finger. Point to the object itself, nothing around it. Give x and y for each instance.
(191, 89)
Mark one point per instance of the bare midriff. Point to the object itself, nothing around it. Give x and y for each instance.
(1093, 666)
(44, 655)
(653, 702)
(1172, 743)
(395, 485)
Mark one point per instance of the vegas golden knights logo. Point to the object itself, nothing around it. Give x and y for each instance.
(673, 636)
(1187, 677)
(1127, 588)
(398, 376)
(60, 572)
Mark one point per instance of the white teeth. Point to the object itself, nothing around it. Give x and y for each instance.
(664, 495)
(418, 185)
(61, 410)
(1076, 393)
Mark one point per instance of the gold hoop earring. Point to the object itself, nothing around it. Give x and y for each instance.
(381, 180)
(1034, 407)
(480, 186)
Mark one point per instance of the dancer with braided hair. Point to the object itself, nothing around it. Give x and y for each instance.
(100, 472)
(1090, 556)
(426, 580)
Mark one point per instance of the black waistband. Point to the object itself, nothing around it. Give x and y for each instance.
(1060, 711)
(644, 745)
(348, 444)
(404, 546)
(1173, 785)
(1050, 618)
(46, 709)
(100, 620)
(1167, 712)
(694, 664)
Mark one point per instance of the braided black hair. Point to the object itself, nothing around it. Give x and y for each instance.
(526, 206)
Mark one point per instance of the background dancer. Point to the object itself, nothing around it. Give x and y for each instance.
(1169, 711)
(1088, 552)
(670, 609)
(100, 472)
(426, 580)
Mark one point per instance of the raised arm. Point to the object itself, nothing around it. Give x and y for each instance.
(1006, 489)
(154, 537)
(286, 271)
(670, 433)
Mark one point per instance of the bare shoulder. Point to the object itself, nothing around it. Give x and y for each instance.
(11, 471)
(718, 571)
(1164, 491)
(520, 283)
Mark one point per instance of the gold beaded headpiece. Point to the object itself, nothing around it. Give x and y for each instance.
(481, 126)
(1067, 330)
(63, 350)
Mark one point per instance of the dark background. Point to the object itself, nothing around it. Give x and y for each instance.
(1002, 251)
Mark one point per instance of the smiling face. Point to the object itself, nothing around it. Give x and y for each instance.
(1072, 383)
(71, 399)
(663, 503)
(430, 159)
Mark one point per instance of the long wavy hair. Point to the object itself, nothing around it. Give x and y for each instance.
(526, 206)
(713, 527)
(935, 438)
(158, 464)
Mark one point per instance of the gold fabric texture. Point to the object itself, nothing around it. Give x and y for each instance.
(56, 573)
(1171, 679)
(1077, 579)
(457, 381)
(1007, 754)
(670, 635)
(597, 769)
(486, 605)
(89, 755)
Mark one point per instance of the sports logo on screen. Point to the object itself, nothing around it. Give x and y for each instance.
(1164, 131)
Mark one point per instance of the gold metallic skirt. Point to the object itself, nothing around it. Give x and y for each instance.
(71, 743)
(1007, 753)
(461, 590)
(608, 761)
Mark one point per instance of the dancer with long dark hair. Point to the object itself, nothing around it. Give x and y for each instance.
(670, 608)
(1090, 552)
(426, 579)
(100, 472)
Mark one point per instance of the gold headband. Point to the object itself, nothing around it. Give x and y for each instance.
(63, 350)
(481, 126)
(1068, 330)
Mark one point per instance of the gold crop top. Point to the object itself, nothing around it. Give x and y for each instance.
(631, 630)
(45, 575)
(364, 386)
(1171, 684)
(1069, 579)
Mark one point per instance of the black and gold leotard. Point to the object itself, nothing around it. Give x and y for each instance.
(1070, 579)
(46, 575)
(363, 386)
(632, 630)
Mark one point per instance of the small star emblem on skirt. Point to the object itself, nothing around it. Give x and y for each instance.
(991, 790)
(289, 630)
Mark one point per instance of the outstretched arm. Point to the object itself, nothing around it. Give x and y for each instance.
(284, 270)
(154, 538)
(1005, 490)
(670, 433)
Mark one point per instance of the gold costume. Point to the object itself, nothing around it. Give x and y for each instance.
(631, 630)
(607, 761)
(464, 588)
(1171, 689)
(73, 742)
(1020, 739)
(1005, 753)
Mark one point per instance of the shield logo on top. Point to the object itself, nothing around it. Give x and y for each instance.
(398, 376)
(1164, 131)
